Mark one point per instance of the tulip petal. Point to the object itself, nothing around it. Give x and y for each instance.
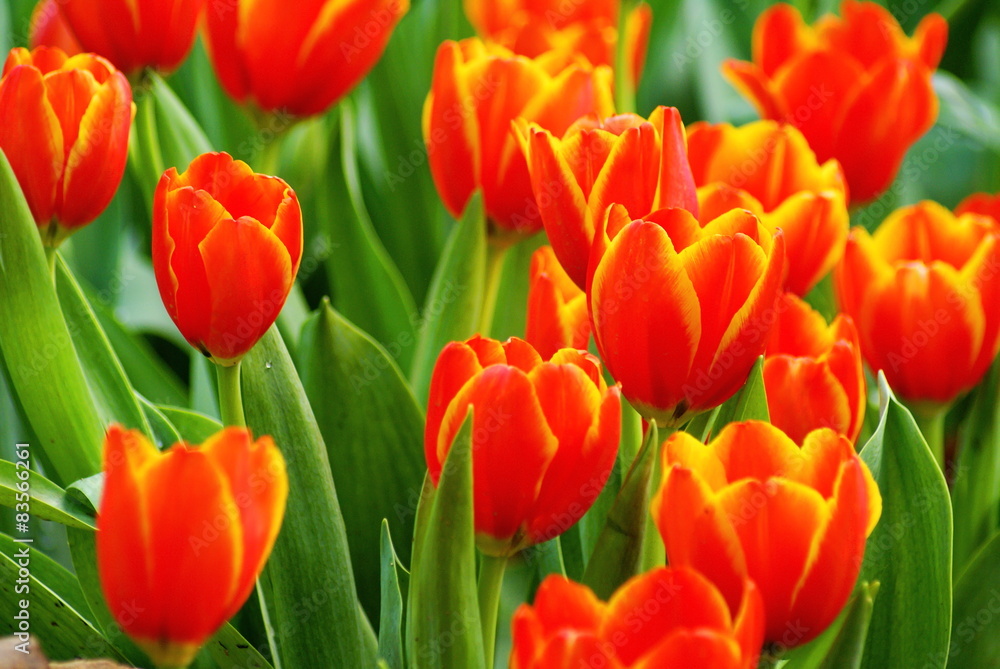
(815, 227)
(685, 450)
(803, 394)
(629, 176)
(751, 82)
(693, 648)
(779, 34)
(756, 450)
(677, 186)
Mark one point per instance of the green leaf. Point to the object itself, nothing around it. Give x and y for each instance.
(38, 347)
(512, 297)
(454, 301)
(618, 552)
(57, 611)
(367, 286)
(374, 431)
(310, 561)
(842, 644)
(231, 651)
(975, 632)
(47, 500)
(909, 552)
(390, 634)
(443, 627)
(976, 491)
(193, 427)
(164, 432)
(750, 403)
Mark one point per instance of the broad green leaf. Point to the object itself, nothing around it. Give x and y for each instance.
(841, 645)
(455, 299)
(163, 431)
(193, 427)
(38, 347)
(115, 398)
(310, 561)
(750, 403)
(975, 632)
(618, 552)
(443, 627)
(390, 634)
(181, 138)
(47, 500)
(512, 299)
(58, 616)
(909, 552)
(367, 286)
(374, 432)
(230, 650)
(976, 491)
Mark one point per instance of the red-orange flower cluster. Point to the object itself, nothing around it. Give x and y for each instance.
(857, 87)
(545, 436)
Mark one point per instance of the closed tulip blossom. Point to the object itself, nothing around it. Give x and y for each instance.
(182, 535)
(135, 34)
(226, 247)
(477, 91)
(680, 311)
(64, 127)
(297, 58)
(557, 308)
(856, 86)
(719, 504)
(532, 27)
(924, 292)
(545, 436)
(813, 376)
(638, 163)
(667, 618)
(769, 169)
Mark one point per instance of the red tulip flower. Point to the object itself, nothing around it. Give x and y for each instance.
(49, 28)
(182, 535)
(557, 309)
(856, 86)
(722, 507)
(668, 618)
(545, 436)
(226, 247)
(64, 127)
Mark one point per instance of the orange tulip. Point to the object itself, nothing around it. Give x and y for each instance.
(301, 57)
(544, 436)
(924, 292)
(719, 506)
(64, 125)
(769, 169)
(557, 309)
(226, 248)
(813, 375)
(983, 204)
(680, 312)
(48, 27)
(477, 91)
(182, 535)
(532, 27)
(667, 618)
(640, 164)
(134, 34)
(857, 87)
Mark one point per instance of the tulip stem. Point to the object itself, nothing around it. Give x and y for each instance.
(496, 253)
(932, 427)
(624, 86)
(490, 581)
(50, 258)
(231, 396)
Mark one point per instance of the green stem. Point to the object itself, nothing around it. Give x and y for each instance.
(931, 425)
(490, 581)
(146, 149)
(230, 396)
(269, 158)
(654, 554)
(624, 86)
(50, 258)
(496, 253)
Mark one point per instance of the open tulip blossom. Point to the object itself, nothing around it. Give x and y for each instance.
(485, 334)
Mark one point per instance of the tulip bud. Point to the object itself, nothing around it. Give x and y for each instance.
(320, 51)
(856, 86)
(478, 90)
(557, 309)
(769, 169)
(64, 127)
(226, 247)
(667, 618)
(924, 291)
(182, 535)
(134, 34)
(680, 312)
(719, 504)
(544, 436)
(813, 375)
